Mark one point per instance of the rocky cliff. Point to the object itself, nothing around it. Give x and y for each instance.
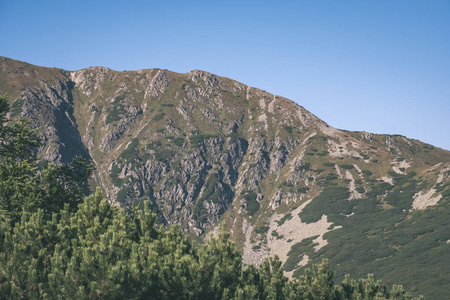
(204, 149)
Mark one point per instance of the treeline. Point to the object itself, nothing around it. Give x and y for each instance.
(57, 244)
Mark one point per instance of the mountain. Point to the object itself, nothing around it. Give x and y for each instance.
(203, 149)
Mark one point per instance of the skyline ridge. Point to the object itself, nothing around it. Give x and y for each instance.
(261, 88)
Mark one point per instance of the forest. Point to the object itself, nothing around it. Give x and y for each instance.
(56, 242)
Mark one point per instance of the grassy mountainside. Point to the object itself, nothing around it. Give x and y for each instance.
(202, 149)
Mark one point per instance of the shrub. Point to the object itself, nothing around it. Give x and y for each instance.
(285, 218)
(130, 153)
(289, 129)
(302, 189)
(331, 176)
(178, 141)
(347, 167)
(233, 137)
(367, 172)
(261, 230)
(252, 203)
(324, 153)
(360, 189)
(196, 140)
(305, 167)
(158, 117)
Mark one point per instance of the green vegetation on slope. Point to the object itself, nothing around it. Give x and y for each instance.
(383, 237)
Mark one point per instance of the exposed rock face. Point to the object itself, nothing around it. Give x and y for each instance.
(202, 149)
(50, 106)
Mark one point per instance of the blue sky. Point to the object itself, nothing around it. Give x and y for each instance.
(378, 66)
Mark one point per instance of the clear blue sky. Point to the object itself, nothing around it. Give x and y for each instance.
(379, 66)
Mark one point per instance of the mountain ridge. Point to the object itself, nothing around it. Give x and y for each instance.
(204, 149)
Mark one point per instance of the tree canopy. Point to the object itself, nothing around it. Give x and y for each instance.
(101, 252)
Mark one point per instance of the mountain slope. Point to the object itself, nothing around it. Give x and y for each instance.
(204, 149)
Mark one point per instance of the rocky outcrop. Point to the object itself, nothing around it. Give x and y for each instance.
(49, 106)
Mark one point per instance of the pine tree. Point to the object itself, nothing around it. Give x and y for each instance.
(248, 284)
(23, 186)
(273, 280)
(65, 184)
(220, 266)
(19, 180)
(25, 250)
(4, 109)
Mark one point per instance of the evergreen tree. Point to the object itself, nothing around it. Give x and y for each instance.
(249, 284)
(4, 109)
(23, 186)
(220, 266)
(363, 288)
(65, 184)
(19, 181)
(272, 279)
